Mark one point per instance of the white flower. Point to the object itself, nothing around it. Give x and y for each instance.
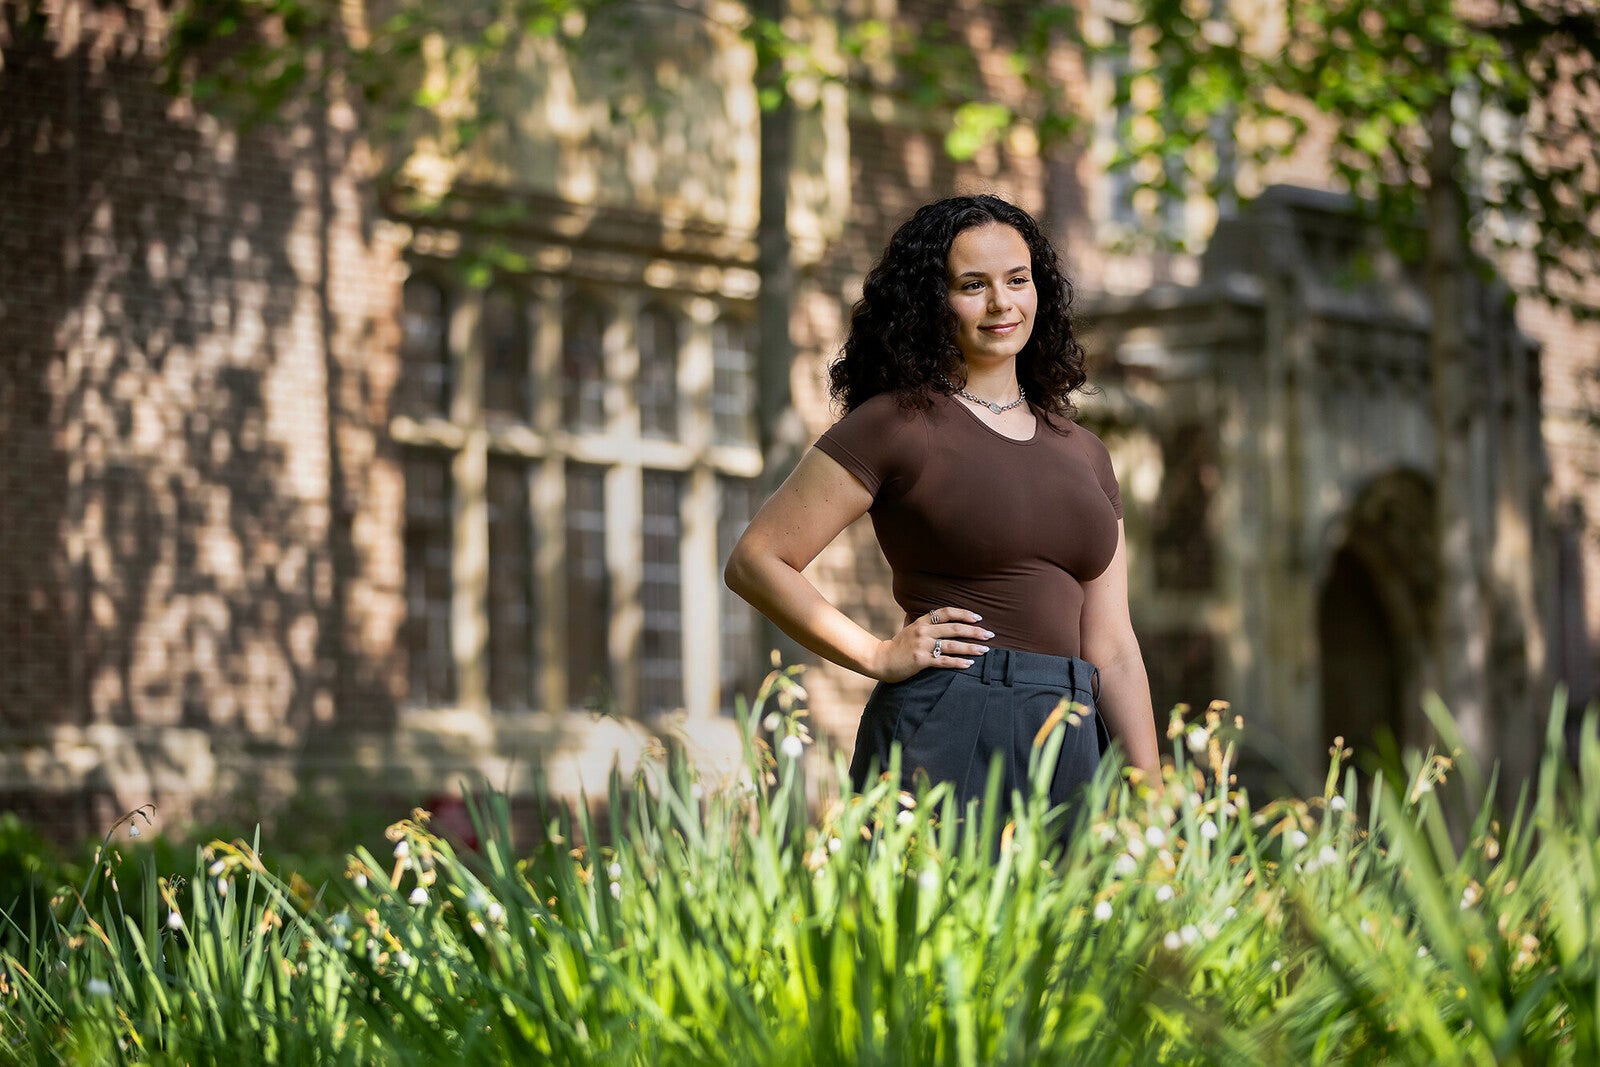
(1156, 836)
(905, 818)
(1136, 847)
(616, 890)
(1106, 834)
(1422, 952)
(1230, 809)
(1277, 965)
(1337, 802)
(1208, 830)
(1125, 866)
(98, 987)
(222, 887)
(1189, 935)
(418, 895)
(696, 790)
(1198, 739)
(771, 722)
(928, 880)
(1469, 896)
(615, 871)
(133, 831)
(1172, 941)
(402, 849)
(688, 889)
(403, 958)
(217, 868)
(792, 747)
(495, 911)
(1296, 838)
(1102, 911)
(1367, 926)
(476, 899)
(360, 881)
(1164, 894)
(1229, 912)
(1327, 856)
(478, 928)
(834, 844)
(174, 921)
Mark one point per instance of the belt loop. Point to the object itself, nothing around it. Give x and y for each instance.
(1011, 668)
(987, 658)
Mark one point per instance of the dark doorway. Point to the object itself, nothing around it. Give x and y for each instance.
(1362, 661)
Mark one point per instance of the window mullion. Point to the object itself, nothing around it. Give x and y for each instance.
(624, 506)
(695, 375)
(701, 622)
(549, 494)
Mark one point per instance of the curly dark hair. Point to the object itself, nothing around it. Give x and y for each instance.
(903, 334)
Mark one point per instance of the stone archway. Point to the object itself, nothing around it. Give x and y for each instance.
(1362, 676)
(1374, 607)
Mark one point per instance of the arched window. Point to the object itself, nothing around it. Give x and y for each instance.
(733, 393)
(507, 383)
(657, 386)
(425, 377)
(583, 366)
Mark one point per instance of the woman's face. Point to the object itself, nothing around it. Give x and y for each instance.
(991, 292)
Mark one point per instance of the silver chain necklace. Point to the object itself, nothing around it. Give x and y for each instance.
(998, 409)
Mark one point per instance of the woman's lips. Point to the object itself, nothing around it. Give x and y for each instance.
(1002, 329)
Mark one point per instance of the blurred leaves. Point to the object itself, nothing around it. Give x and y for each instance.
(1521, 79)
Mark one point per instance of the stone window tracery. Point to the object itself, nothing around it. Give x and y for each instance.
(569, 509)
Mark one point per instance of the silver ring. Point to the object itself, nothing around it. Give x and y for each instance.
(938, 647)
(933, 617)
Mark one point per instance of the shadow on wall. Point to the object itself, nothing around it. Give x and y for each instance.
(168, 560)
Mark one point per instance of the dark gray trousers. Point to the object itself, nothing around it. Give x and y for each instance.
(950, 724)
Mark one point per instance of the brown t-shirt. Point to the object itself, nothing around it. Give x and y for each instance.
(970, 518)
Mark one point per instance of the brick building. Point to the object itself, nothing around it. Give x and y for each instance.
(302, 492)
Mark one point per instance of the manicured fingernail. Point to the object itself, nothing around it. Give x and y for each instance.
(977, 618)
(986, 636)
(982, 650)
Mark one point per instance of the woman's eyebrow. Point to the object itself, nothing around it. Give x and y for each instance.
(979, 273)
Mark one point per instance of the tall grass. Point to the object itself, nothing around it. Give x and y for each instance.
(1179, 924)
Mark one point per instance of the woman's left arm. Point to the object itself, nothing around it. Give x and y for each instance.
(1109, 643)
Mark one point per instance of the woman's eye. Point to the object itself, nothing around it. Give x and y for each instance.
(1020, 280)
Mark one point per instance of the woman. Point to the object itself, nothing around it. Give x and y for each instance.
(999, 516)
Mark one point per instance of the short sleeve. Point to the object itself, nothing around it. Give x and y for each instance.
(1100, 459)
(880, 443)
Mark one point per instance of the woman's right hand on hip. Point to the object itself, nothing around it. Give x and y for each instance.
(945, 637)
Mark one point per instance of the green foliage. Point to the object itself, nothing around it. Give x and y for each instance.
(698, 925)
(1512, 81)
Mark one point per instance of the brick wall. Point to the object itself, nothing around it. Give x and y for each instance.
(196, 321)
(1570, 394)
